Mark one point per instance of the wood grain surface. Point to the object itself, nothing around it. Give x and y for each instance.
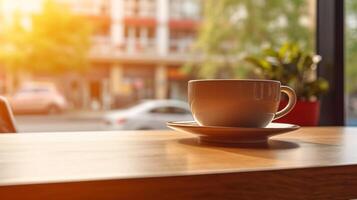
(311, 163)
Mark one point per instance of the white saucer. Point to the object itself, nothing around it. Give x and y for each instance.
(232, 134)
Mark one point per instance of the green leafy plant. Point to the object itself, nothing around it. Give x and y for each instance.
(292, 66)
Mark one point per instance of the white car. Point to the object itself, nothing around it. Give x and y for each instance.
(151, 114)
(34, 98)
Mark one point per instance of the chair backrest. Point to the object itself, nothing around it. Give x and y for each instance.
(7, 121)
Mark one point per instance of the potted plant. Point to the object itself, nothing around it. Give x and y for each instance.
(294, 67)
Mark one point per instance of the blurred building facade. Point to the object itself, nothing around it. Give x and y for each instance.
(135, 55)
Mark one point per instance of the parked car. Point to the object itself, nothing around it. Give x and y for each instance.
(38, 98)
(150, 114)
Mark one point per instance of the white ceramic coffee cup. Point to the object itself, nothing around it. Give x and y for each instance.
(237, 103)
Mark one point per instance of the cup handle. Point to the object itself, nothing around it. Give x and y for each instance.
(292, 101)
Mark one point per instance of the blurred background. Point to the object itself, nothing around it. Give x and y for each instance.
(69, 65)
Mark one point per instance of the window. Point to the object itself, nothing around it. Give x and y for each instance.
(185, 9)
(351, 61)
(139, 8)
(101, 56)
(181, 40)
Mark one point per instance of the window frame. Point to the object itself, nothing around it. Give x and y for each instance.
(330, 45)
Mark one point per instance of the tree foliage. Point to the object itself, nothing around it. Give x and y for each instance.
(56, 40)
(232, 28)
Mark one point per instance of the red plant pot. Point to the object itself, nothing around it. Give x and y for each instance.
(305, 113)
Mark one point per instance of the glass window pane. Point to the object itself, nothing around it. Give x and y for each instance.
(351, 61)
(96, 58)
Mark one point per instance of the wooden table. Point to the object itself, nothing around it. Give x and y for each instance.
(311, 163)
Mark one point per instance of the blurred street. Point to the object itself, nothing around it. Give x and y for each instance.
(72, 121)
